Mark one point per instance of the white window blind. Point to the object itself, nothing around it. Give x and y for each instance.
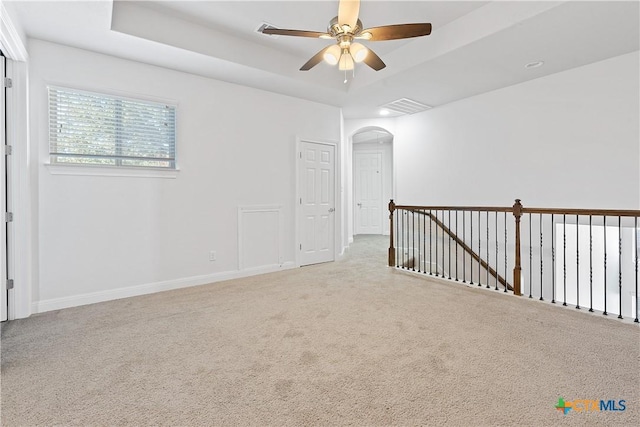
(95, 129)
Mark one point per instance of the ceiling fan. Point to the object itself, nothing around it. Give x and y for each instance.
(345, 28)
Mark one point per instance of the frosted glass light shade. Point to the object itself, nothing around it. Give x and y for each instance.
(346, 62)
(332, 55)
(358, 52)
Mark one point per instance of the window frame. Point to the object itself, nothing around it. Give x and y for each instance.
(116, 169)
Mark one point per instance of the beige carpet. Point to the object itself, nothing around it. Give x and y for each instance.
(347, 343)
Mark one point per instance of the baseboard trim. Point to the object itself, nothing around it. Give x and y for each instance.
(150, 288)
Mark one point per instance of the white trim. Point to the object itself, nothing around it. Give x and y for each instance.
(23, 238)
(61, 169)
(254, 209)
(3, 237)
(150, 288)
(10, 41)
(17, 124)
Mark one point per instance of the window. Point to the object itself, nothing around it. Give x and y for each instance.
(88, 128)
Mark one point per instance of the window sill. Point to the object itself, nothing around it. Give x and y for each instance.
(82, 170)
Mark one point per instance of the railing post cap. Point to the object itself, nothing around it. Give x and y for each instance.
(517, 208)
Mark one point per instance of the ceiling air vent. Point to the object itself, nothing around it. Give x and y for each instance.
(267, 25)
(406, 106)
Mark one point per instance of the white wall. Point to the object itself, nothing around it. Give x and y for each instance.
(236, 147)
(566, 140)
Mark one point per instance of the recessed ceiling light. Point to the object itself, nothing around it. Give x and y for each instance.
(535, 64)
(384, 112)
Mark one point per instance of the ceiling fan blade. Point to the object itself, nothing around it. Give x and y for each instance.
(348, 11)
(374, 61)
(399, 31)
(296, 33)
(315, 60)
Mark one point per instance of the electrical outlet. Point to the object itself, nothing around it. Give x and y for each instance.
(212, 255)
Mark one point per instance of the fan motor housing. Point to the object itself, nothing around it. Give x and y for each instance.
(335, 29)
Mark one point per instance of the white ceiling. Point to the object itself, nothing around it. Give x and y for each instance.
(475, 46)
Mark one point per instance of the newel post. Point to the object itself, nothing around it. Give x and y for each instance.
(392, 249)
(517, 270)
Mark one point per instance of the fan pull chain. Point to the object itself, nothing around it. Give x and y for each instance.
(345, 77)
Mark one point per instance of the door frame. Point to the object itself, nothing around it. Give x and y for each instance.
(23, 170)
(383, 215)
(298, 195)
(4, 176)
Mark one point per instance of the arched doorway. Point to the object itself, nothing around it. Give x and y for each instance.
(372, 179)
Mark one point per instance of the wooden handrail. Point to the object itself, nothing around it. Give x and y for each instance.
(464, 246)
(457, 208)
(556, 211)
(583, 212)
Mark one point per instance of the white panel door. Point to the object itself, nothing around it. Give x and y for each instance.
(3, 227)
(368, 192)
(317, 200)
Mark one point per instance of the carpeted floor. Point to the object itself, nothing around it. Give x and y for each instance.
(346, 343)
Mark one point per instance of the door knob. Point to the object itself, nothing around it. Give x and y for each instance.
(331, 210)
(359, 205)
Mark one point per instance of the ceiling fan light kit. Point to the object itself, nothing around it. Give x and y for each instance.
(344, 29)
(346, 61)
(332, 55)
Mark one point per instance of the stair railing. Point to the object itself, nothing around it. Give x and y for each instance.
(481, 245)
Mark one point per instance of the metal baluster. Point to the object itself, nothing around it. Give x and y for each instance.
(419, 257)
(553, 260)
(430, 243)
(578, 262)
(564, 258)
(591, 263)
(402, 259)
(464, 253)
(443, 233)
(620, 266)
(424, 252)
(397, 237)
(457, 246)
(471, 245)
(436, 243)
(541, 257)
(413, 241)
(488, 256)
(449, 239)
(605, 266)
(530, 259)
(496, 232)
(505, 249)
(635, 239)
(479, 248)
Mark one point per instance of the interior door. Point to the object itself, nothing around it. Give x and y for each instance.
(3, 202)
(368, 192)
(317, 200)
